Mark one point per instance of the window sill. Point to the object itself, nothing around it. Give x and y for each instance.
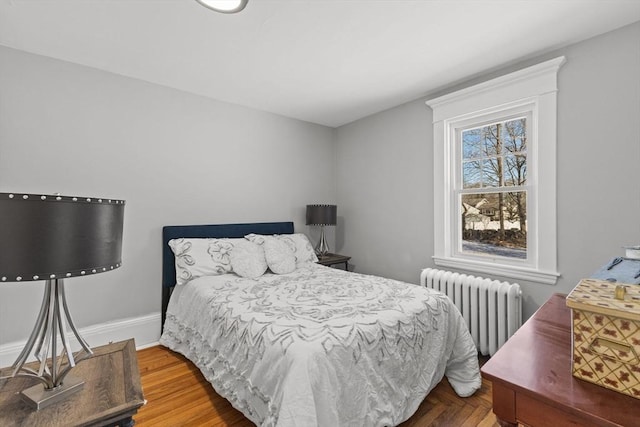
(513, 272)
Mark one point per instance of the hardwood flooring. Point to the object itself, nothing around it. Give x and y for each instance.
(178, 395)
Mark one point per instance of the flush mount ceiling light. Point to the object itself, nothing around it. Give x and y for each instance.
(224, 6)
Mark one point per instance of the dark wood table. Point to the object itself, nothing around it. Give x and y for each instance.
(111, 395)
(533, 384)
(333, 259)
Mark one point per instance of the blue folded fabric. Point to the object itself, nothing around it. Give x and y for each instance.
(620, 270)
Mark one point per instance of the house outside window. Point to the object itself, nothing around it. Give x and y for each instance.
(495, 176)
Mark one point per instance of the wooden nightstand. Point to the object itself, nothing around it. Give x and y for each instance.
(333, 259)
(111, 395)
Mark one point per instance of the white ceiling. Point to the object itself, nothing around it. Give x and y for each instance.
(323, 61)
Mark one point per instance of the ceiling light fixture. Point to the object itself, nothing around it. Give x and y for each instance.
(224, 6)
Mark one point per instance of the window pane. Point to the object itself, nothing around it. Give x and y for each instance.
(471, 174)
(491, 172)
(495, 224)
(492, 139)
(471, 143)
(515, 136)
(515, 170)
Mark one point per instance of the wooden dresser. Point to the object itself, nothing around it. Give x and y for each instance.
(533, 384)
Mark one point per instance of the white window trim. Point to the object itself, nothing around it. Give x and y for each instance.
(536, 85)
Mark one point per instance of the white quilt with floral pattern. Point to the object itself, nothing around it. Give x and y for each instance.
(321, 346)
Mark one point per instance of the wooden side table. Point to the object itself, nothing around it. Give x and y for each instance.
(111, 395)
(533, 384)
(333, 259)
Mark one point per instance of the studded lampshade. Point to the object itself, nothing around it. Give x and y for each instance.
(321, 214)
(51, 236)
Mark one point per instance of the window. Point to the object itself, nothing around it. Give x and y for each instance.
(494, 209)
(490, 186)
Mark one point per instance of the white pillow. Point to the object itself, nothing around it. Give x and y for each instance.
(201, 257)
(302, 248)
(279, 255)
(248, 260)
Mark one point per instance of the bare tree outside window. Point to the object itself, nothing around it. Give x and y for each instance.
(493, 198)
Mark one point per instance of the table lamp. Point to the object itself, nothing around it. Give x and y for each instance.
(322, 215)
(50, 238)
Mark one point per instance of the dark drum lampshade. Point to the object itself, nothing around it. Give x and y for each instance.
(322, 215)
(53, 237)
(48, 237)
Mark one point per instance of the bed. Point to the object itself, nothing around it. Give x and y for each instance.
(306, 345)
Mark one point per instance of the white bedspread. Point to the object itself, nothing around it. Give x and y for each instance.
(321, 346)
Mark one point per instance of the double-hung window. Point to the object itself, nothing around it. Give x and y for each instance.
(490, 188)
(495, 175)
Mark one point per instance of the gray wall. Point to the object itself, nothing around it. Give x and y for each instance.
(385, 180)
(385, 192)
(176, 158)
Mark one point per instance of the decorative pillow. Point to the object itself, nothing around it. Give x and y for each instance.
(279, 255)
(302, 248)
(201, 257)
(248, 259)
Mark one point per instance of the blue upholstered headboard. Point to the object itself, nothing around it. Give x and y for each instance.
(217, 230)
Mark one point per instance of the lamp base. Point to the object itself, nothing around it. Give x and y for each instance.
(322, 248)
(37, 397)
(52, 322)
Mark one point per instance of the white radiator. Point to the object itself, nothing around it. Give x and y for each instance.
(492, 309)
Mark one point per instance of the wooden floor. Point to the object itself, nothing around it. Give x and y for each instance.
(178, 395)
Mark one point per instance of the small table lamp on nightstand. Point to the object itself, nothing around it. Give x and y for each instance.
(322, 215)
(52, 237)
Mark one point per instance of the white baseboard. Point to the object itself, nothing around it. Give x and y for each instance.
(144, 329)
